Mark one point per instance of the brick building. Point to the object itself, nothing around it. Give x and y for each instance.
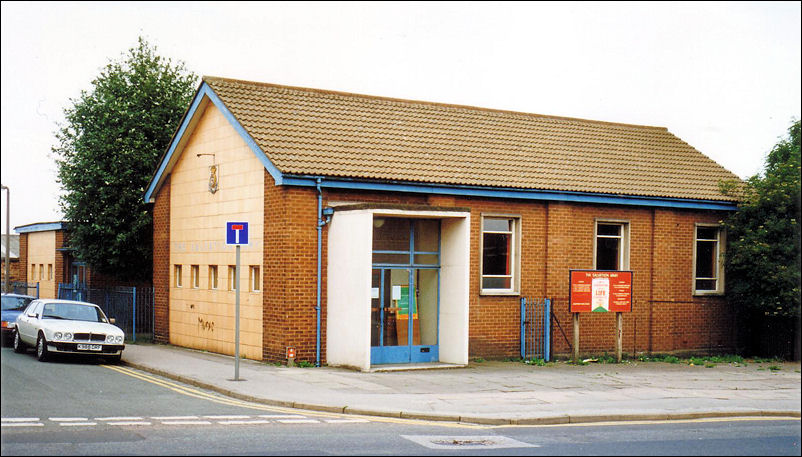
(13, 259)
(46, 259)
(397, 231)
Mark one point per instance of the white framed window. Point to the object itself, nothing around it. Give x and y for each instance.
(177, 276)
(611, 247)
(708, 271)
(255, 278)
(194, 271)
(232, 277)
(213, 277)
(500, 259)
(49, 271)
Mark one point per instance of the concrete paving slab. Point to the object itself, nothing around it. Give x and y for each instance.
(494, 393)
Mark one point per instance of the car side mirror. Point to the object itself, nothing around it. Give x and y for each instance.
(112, 320)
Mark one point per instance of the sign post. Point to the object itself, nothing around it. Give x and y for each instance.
(600, 291)
(236, 234)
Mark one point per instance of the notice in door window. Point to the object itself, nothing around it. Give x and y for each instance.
(600, 291)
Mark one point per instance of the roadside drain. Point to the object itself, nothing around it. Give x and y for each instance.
(466, 442)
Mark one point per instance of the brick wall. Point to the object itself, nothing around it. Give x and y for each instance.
(161, 264)
(555, 237)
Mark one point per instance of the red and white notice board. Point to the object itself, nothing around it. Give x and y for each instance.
(600, 291)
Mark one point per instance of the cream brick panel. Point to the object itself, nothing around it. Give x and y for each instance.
(42, 252)
(201, 317)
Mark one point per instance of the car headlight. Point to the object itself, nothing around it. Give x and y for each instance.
(58, 336)
(114, 339)
(118, 339)
(7, 324)
(109, 338)
(68, 336)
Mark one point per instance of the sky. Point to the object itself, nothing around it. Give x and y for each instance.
(722, 76)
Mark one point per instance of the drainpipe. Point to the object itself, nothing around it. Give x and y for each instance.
(320, 223)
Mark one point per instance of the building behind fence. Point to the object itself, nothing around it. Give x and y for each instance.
(131, 307)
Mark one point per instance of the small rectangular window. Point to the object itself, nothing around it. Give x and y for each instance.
(707, 260)
(213, 277)
(33, 272)
(499, 254)
(41, 271)
(50, 271)
(232, 278)
(195, 273)
(177, 276)
(255, 278)
(611, 246)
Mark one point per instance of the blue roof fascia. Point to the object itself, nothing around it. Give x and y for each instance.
(525, 194)
(206, 91)
(40, 227)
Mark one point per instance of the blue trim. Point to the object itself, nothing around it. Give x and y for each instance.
(42, 227)
(525, 194)
(206, 91)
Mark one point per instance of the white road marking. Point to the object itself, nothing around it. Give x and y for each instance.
(173, 418)
(226, 417)
(244, 422)
(77, 424)
(68, 419)
(299, 421)
(118, 418)
(281, 416)
(20, 419)
(186, 423)
(130, 423)
(23, 424)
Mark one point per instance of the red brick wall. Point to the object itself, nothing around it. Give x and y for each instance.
(23, 257)
(161, 264)
(555, 237)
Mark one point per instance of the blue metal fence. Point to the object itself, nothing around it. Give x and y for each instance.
(25, 288)
(536, 329)
(131, 307)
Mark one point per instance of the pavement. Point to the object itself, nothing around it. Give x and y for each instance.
(494, 392)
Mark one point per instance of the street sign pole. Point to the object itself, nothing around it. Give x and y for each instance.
(236, 319)
(236, 234)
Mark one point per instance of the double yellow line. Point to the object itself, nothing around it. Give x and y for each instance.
(195, 393)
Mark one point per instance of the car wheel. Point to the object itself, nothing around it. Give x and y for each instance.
(19, 346)
(41, 348)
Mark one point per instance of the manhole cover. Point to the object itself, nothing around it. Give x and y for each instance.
(466, 442)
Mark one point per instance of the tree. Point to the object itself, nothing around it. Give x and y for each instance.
(763, 252)
(107, 150)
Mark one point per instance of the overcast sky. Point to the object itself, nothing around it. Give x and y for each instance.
(724, 77)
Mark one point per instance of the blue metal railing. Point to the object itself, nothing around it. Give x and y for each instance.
(131, 307)
(536, 329)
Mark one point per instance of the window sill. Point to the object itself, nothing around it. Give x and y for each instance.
(704, 293)
(507, 293)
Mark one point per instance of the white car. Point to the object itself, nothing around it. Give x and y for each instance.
(67, 327)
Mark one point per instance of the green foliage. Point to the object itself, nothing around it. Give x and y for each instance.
(305, 364)
(107, 151)
(763, 252)
(536, 362)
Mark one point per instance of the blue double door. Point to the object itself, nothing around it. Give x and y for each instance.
(405, 289)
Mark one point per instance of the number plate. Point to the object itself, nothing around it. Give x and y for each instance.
(90, 347)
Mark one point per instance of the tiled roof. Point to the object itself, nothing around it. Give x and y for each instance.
(333, 134)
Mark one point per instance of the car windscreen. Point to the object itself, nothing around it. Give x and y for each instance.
(15, 303)
(73, 311)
